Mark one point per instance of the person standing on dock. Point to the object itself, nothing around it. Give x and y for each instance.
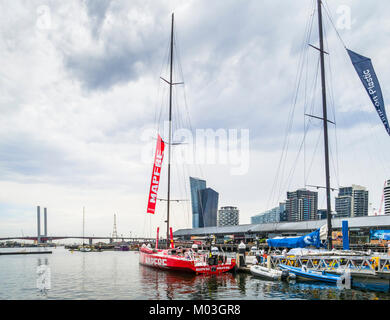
(265, 257)
(261, 255)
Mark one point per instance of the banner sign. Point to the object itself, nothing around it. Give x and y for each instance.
(379, 234)
(156, 175)
(311, 239)
(171, 236)
(365, 70)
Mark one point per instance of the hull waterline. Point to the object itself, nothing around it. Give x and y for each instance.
(160, 259)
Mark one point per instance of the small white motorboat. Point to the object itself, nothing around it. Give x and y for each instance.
(85, 249)
(265, 272)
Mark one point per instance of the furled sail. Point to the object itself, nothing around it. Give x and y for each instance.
(158, 159)
(365, 70)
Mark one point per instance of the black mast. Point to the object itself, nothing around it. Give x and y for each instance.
(170, 133)
(325, 121)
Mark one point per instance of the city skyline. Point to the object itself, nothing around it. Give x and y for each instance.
(352, 201)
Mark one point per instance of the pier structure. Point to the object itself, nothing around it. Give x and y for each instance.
(370, 272)
(361, 264)
(41, 238)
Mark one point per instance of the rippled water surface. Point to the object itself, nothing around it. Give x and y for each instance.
(118, 275)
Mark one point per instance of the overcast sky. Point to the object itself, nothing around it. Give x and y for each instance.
(80, 86)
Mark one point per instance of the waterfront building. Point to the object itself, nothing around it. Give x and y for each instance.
(302, 205)
(196, 186)
(322, 214)
(352, 201)
(210, 208)
(204, 202)
(283, 212)
(228, 216)
(273, 215)
(386, 195)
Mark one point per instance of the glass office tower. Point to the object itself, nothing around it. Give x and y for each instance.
(204, 202)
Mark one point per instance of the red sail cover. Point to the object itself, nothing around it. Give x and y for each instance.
(156, 175)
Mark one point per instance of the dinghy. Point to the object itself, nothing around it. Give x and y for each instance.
(264, 272)
(322, 276)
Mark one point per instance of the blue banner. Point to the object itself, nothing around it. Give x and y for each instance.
(311, 239)
(365, 70)
(345, 235)
(379, 234)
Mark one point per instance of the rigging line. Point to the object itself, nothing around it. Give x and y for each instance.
(312, 101)
(165, 63)
(331, 21)
(331, 91)
(186, 194)
(335, 154)
(314, 89)
(306, 129)
(315, 152)
(283, 156)
(163, 109)
(159, 85)
(180, 119)
(290, 176)
(305, 93)
(333, 162)
(304, 52)
(181, 76)
(180, 69)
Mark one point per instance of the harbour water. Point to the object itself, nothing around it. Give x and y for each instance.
(117, 275)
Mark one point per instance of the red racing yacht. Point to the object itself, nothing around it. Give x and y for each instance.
(172, 258)
(185, 260)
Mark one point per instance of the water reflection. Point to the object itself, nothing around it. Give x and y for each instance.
(118, 275)
(43, 280)
(181, 285)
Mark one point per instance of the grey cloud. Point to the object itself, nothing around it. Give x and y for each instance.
(97, 12)
(34, 159)
(101, 72)
(125, 50)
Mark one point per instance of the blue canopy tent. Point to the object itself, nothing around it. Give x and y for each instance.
(311, 239)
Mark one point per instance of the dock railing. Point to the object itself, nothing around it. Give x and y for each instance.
(366, 264)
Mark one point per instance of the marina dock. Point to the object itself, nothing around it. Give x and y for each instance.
(368, 272)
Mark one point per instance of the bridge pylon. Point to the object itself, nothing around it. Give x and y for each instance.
(114, 231)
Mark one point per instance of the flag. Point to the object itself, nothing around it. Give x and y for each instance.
(365, 70)
(156, 175)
